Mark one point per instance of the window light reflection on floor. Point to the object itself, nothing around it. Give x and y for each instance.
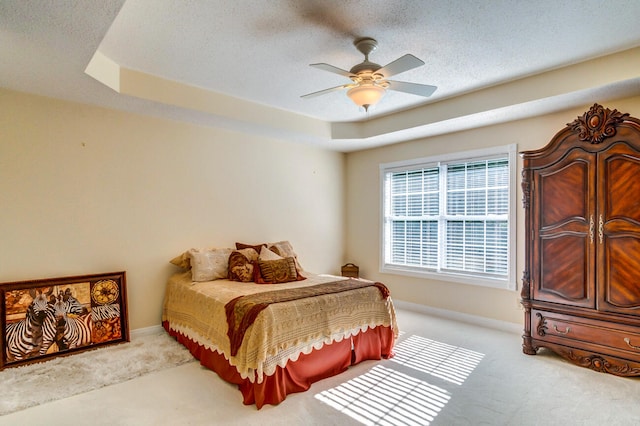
(448, 362)
(383, 396)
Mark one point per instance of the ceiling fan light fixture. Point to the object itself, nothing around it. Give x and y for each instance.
(366, 95)
(370, 81)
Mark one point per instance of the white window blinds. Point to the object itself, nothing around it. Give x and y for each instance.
(449, 217)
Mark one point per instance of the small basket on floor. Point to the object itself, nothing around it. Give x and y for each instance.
(350, 270)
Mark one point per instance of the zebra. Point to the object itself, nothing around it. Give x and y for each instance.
(105, 312)
(72, 305)
(68, 323)
(78, 330)
(24, 338)
(55, 326)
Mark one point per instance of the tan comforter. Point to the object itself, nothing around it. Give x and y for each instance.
(282, 331)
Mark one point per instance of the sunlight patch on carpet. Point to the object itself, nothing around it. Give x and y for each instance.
(448, 362)
(383, 396)
(35, 384)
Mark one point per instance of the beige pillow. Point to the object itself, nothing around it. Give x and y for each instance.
(209, 264)
(285, 249)
(266, 254)
(182, 260)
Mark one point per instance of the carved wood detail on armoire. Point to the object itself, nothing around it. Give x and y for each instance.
(581, 282)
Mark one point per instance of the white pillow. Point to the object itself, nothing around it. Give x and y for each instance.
(209, 264)
(266, 254)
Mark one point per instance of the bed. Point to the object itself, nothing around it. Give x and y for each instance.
(275, 333)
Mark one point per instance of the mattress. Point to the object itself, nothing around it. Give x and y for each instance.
(281, 332)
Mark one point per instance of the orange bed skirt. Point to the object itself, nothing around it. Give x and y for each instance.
(296, 376)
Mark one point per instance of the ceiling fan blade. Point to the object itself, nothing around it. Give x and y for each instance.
(331, 68)
(413, 88)
(400, 65)
(322, 92)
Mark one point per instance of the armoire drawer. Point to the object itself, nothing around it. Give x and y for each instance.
(557, 327)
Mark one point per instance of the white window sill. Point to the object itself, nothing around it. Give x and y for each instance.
(503, 284)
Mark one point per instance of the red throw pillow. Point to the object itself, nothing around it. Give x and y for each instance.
(257, 247)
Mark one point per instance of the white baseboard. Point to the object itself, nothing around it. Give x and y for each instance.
(146, 331)
(459, 316)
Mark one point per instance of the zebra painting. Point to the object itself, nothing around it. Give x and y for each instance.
(43, 318)
(24, 338)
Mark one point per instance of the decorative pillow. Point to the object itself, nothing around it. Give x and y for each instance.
(209, 264)
(266, 254)
(257, 248)
(182, 261)
(241, 265)
(278, 271)
(285, 249)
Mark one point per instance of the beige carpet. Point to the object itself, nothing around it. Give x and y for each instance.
(445, 373)
(34, 384)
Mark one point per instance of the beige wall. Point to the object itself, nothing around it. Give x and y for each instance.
(90, 190)
(364, 218)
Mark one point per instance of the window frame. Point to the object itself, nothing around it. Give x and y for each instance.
(508, 282)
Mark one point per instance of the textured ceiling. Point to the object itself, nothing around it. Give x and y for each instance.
(260, 51)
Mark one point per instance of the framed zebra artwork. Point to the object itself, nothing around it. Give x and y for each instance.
(45, 318)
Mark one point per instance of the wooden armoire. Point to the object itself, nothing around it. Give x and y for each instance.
(581, 283)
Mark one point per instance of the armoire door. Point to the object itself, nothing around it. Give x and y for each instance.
(619, 229)
(564, 230)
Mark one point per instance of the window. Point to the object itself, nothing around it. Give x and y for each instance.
(451, 217)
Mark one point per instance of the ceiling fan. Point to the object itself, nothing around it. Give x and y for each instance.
(370, 81)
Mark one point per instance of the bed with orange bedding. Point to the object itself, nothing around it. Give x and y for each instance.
(274, 340)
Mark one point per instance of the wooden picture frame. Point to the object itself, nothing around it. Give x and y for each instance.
(45, 318)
